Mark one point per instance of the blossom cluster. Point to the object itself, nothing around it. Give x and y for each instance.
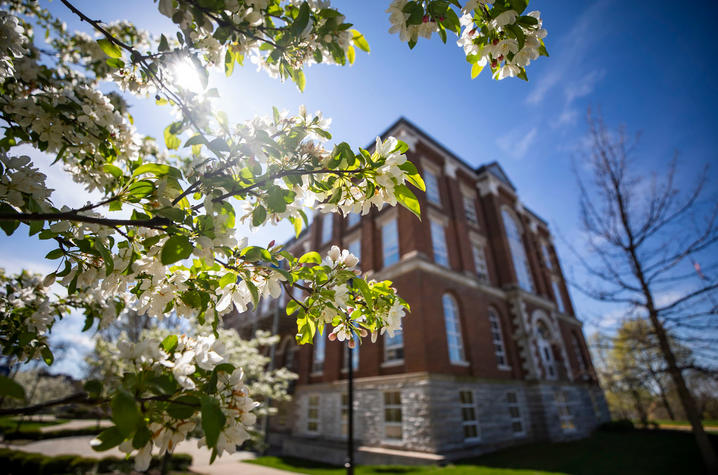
(491, 32)
(509, 45)
(193, 362)
(12, 43)
(20, 181)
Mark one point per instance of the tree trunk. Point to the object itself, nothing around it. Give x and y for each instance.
(639, 407)
(687, 401)
(664, 398)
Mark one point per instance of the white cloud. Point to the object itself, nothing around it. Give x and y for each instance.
(571, 49)
(516, 143)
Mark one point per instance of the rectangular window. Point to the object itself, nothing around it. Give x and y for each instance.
(327, 222)
(318, 360)
(480, 262)
(498, 339)
(432, 187)
(390, 242)
(564, 413)
(470, 211)
(392, 416)
(559, 298)
(469, 419)
(517, 424)
(353, 219)
(546, 256)
(313, 413)
(438, 241)
(355, 248)
(394, 347)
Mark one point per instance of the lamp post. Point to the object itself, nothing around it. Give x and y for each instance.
(349, 463)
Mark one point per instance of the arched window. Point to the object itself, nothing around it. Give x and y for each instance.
(453, 329)
(518, 252)
(498, 339)
(546, 351)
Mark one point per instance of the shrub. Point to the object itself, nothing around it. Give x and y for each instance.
(36, 434)
(619, 425)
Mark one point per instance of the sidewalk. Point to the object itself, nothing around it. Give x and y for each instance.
(226, 465)
(77, 424)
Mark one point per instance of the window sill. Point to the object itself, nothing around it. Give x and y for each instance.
(316, 374)
(392, 363)
(504, 368)
(518, 435)
(473, 440)
(393, 442)
(465, 364)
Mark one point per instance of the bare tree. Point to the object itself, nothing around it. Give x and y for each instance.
(651, 249)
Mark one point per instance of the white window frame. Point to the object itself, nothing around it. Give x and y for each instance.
(393, 349)
(467, 407)
(560, 306)
(517, 248)
(438, 242)
(388, 248)
(452, 322)
(512, 402)
(313, 404)
(318, 356)
(392, 405)
(546, 256)
(565, 418)
(431, 180)
(478, 252)
(470, 211)
(497, 336)
(327, 227)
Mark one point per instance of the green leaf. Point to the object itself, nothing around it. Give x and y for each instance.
(170, 343)
(360, 41)
(171, 140)
(365, 291)
(108, 439)
(301, 21)
(55, 254)
(110, 48)
(407, 199)
(183, 407)
(412, 175)
(157, 169)
(292, 307)
(8, 226)
(196, 140)
(175, 249)
(476, 70)
(213, 419)
(164, 44)
(10, 388)
(47, 355)
(93, 387)
(142, 436)
(258, 216)
(140, 189)
(125, 414)
(351, 54)
(228, 278)
(311, 257)
(112, 170)
(299, 79)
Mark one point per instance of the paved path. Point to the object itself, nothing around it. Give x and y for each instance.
(77, 424)
(226, 465)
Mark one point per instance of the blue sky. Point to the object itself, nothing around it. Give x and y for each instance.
(646, 65)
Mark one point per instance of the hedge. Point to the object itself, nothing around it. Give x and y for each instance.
(16, 462)
(35, 434)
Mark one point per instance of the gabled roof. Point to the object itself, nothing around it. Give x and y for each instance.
(494, 168)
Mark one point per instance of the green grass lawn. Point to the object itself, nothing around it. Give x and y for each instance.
(636, 452)
(9, 424)
(706, 422)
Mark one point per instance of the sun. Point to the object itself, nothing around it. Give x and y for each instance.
(186, 76)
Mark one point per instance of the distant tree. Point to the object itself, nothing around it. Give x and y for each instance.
(649, 245)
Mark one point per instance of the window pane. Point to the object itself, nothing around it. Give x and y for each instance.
(438, 241)
(559, 298)
(518, 252)
(432, 187)
(390, 242)
(480, 262)
(355, 248)
(353, 219)
(453, 329)
(470, 211)
(327, 222)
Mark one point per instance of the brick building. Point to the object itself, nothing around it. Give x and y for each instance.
(492, 353)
